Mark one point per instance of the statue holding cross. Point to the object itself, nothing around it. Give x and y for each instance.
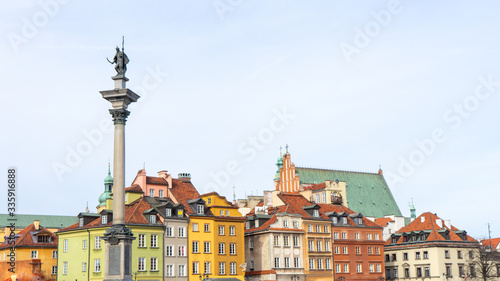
(120, 60)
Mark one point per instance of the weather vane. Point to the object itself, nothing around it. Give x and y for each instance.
(120, 60)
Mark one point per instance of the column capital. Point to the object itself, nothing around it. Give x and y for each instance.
(119, 115)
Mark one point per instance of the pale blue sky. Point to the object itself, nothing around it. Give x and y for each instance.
(229, 71)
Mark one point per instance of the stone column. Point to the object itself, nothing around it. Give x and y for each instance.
(118, 238)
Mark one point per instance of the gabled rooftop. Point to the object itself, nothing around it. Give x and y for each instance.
(28, 238)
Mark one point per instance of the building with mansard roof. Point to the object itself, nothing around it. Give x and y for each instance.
(429, 248)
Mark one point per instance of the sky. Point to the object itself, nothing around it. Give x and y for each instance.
(412, 87)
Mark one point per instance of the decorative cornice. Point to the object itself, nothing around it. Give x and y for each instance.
(119, 115)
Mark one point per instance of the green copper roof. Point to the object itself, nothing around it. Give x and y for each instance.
(367, 193)
(103, 197)
(108, 179)
(45, 220)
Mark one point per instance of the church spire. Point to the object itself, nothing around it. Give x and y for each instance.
(413, 213)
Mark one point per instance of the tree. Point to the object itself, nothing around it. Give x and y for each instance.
(483, 264)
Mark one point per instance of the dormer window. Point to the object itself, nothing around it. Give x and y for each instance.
(168, 212)
(221, 213)
(104, 219)
(152, 218)
(209, 201)
(335, 220)
(43, 239)
(316, 213)
(80, 223)
(344, 220)
(360, 221)
(200, 209)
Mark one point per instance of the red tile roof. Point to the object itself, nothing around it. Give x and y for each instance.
(315, 187)
(383, 221)
(326, 208)
(493, 243)
(156, 180)
(296, 202)
(184, 191)
(27, 235)
(134, 188)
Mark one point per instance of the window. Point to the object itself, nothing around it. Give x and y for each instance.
(276, 240)
(337, 268)
(461, 271)
(344, 235)
(395, 273)
(169, 270)
(141, 265)
(154, 264)
(323, 197)
(209, 200)
(206, 267)
(97, 242)
(168, 212)
(317, 198)
(286, 242)
(206, 247)
(232, 230)
(316, 213)
(471, 255)
(195, 267)
(232, 268)
(195, 227)
(370, 251)
(152, 218)
(222, 249)
(97, 265)
(327, 245)
(448, 270)
(199, 209)
(417, 255)
(54, 270)
(377, 251)
(407, 272)
(371, 268)
(182, 251)
(358, 251)
(296, 262)
(54, 254)
(154, 240)
(277, 262)
(287, 262)
(84, 245)
(169, 231)
(446, 254)
(369, 236)
(65, 245)
(43, 239)
(160, 193)
(142, 240)
(104, 219)
(80, 222)
(459, 254)
(356, 236)
(285, 223)
(295, 224)
(344, 250)
(311, 245)
(227, 213)
(207, 227)
(319, 263)
(405, 256)
(182, 270)
(334, 220)
(325, 229)
(379, 268)
(232, 249)
(182, 232)
(318, 228)
(376, 236)
(65, 268)
(346, 268)
(221, 213)
(419, 272)
(34, 254)
(247, 225)
(151, 193)
(387, 258)
(358, 268)
(311, 263)
(309, 228)
(221, 230)
(344, 220)
(296, 241)
(337, 251)
(335, 235)
(222, 268)
(394, 257)
(251, 245)
(426, 255)
(327, 264)
(169, 251)
(195, 247)
(251, 265)
(472, 268)
(427, 271)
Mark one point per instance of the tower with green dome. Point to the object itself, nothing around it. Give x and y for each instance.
(108, 185)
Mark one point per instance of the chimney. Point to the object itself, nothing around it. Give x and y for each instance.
(447, 223)
(439, 222)
(422, 219)
(185, 177)
(163, 174)
(36, 223)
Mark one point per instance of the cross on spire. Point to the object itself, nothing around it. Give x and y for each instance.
(286, 148)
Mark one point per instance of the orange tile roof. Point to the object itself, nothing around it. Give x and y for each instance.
(295, 204)
(184, 191)
(430, 223)
(493, 243)
(134, 188)
(326, 208)
(315, 187)
(25, 238)
(156, 180)
(383, 221)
